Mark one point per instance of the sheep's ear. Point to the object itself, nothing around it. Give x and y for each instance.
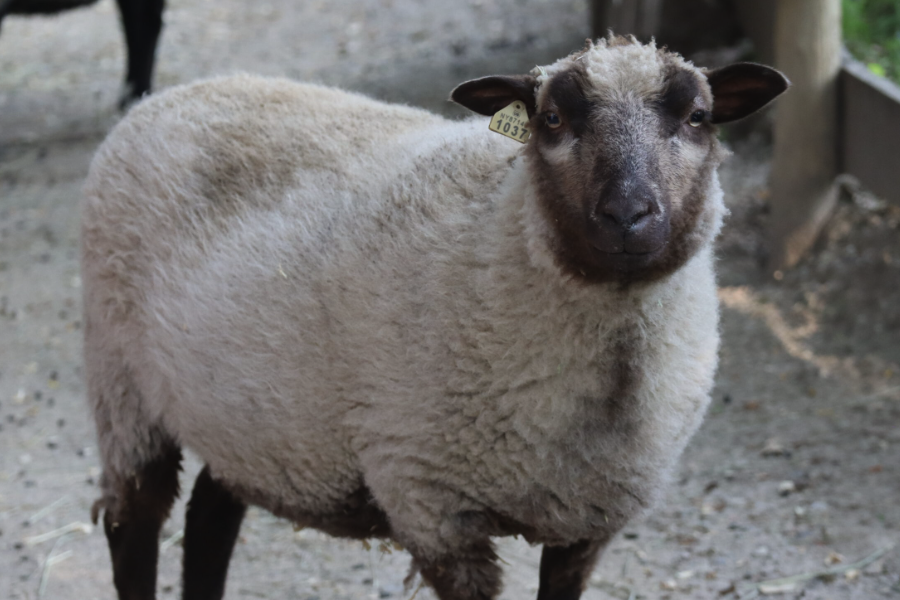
(488, 95)
(742, 89)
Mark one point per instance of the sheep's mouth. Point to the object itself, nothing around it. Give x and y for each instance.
(623, 252)
(635, 248)
(625, 261)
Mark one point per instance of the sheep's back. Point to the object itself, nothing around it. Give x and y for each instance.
(241, 237)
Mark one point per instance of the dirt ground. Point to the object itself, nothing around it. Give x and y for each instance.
(796, 470)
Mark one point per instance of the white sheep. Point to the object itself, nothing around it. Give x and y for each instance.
(374, 321)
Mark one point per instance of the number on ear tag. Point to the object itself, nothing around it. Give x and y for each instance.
(512, 122)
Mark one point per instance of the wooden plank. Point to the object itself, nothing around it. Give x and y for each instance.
(870, 130)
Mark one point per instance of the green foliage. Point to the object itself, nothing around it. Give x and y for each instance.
(872, 34)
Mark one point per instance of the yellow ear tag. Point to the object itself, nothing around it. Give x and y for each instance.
(512, 122)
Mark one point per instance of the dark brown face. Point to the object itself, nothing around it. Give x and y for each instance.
(623, 152)
(623, 175)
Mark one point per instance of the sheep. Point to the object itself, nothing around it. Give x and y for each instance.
(374, 321)
(142, 22)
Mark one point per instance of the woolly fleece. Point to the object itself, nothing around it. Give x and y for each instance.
(316, 292)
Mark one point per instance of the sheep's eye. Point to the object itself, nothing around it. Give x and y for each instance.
(553, 120)
(697, 117)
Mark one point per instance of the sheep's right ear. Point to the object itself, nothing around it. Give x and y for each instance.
(488, 95)
(742, 89)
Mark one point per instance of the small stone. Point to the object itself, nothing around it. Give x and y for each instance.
(668, 585)
(775, 589)
(852, 575)
(833, 558)
(390, 590)
(773, 448)
(684, 575)
(762, 551)
(786, 488)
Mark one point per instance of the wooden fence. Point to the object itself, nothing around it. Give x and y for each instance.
(870, 129)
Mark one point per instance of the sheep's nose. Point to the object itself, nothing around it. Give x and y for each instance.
(626, 215)
(626, 209)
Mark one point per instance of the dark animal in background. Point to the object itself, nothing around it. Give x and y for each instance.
(141, 20)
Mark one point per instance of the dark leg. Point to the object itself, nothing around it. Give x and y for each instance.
(211, 528)
(565, 570)
(471, 575)
(142, 22)
(132, 527)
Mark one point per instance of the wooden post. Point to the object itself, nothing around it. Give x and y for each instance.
(805, 161)
(637, 17)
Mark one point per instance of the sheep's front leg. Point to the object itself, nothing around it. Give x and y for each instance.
(471, 574)
(565, 569)
(211, 528)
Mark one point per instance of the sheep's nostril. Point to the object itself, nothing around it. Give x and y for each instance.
(623, 215)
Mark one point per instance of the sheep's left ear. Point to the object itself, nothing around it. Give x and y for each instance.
(488, 95)
(742, 89)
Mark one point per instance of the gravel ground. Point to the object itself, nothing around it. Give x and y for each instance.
(795, 471)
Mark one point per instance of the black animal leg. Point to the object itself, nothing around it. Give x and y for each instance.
(471, 573)
(142, 22)
(211, 528)
(132, 527)
(565, 569)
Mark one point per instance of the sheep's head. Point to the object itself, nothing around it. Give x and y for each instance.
(623, 151)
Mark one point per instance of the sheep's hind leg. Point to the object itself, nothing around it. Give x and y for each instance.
(132, 525)
(470, 574)
(211, 528)
(566, 569)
